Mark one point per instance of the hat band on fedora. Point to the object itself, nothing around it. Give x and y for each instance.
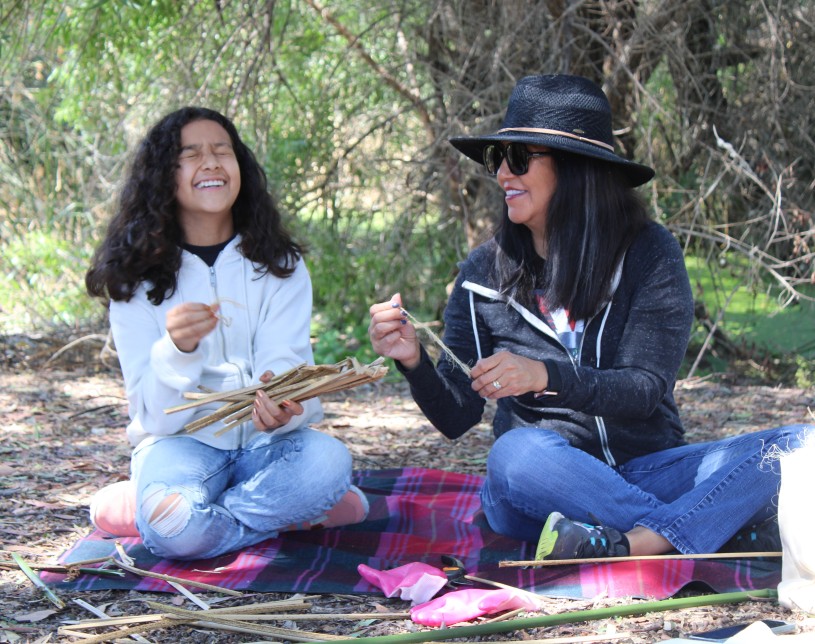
(538, 130)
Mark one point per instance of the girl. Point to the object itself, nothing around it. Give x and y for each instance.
(208, 290)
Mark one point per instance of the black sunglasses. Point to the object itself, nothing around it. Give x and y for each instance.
(516, 154)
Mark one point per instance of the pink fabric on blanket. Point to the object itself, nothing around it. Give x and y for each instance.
(416, 582)
(464, 605)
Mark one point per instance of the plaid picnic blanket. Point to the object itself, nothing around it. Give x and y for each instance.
(416, 515)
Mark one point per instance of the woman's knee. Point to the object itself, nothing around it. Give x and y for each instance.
(522, 448)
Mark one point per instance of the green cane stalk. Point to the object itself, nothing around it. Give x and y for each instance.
(571, 617)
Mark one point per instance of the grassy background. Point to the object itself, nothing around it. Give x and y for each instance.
(752, 316)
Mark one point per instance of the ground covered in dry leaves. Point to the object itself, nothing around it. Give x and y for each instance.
(61, 438)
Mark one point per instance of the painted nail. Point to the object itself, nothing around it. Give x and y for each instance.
(395, 305)
(403, 321)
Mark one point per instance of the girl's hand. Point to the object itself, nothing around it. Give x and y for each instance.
(267, 415)
(507, 374)
(189, 323)
(392, 335)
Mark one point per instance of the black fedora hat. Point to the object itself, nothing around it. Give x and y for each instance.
(562, 112)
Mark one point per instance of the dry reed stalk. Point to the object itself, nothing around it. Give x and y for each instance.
(298, 384)
(247, 612)
(169, 578)
(219, 618)
(185, 615)
(570, 562)
(438, 341)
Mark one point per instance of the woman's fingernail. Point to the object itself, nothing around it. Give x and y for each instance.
(403, 321)
(395, 305)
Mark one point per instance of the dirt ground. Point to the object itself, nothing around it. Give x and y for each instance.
(62, 438)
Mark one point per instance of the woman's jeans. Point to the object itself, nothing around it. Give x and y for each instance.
(696, 496)
(195, 501)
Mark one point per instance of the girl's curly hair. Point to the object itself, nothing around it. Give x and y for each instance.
(143, 240)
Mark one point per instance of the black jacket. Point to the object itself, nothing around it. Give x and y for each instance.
(616, 400)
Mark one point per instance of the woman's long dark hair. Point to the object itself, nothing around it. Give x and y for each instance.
(143, 240)
(592, 218)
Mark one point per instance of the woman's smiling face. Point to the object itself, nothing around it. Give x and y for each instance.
(208, 177)
(528, 195)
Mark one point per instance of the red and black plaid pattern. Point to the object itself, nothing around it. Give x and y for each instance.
(416, 515)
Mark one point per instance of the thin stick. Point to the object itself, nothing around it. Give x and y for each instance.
(569, 562)
(102, 615)
(497, 584)
(248, 612)
(207, 616)
(423, 327)
(240, 615)
(169, 578)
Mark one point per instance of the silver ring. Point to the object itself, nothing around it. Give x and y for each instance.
(496, 384)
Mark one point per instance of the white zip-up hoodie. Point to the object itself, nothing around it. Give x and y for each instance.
(265, 325)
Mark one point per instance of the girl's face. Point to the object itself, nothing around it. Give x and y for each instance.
(528, 195)
(207, 179)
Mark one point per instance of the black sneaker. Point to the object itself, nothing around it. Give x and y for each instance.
(562, 538)
(759, 537)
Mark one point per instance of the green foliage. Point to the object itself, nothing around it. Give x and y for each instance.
(752, 316)
(804, 372)
(42, 284)
(355, 147)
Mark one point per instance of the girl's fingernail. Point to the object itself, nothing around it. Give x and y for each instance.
(395, 305)
(403, 321)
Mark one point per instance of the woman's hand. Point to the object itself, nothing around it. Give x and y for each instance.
(189, 323)
(507, 374)
(392, 335)
(267, 415)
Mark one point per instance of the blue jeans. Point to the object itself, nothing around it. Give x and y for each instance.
(195, 501)
(696, 496)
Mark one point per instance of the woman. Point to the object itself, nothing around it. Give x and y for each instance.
(575, 318)
(208, 290)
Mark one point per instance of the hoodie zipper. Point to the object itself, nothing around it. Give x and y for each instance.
(213, 282)
(602, 434)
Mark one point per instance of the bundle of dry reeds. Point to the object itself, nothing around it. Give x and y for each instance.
(297, 385)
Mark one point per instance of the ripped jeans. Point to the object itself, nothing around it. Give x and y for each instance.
(195, 501)
(697, 496)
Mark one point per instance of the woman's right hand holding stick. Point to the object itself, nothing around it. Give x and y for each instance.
(392, 334)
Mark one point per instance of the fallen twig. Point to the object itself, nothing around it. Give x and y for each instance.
(231, 620)
(572, 562)
(169, 578)
(103, 615)
(65, 569)
(497, 584)
(170, 616)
